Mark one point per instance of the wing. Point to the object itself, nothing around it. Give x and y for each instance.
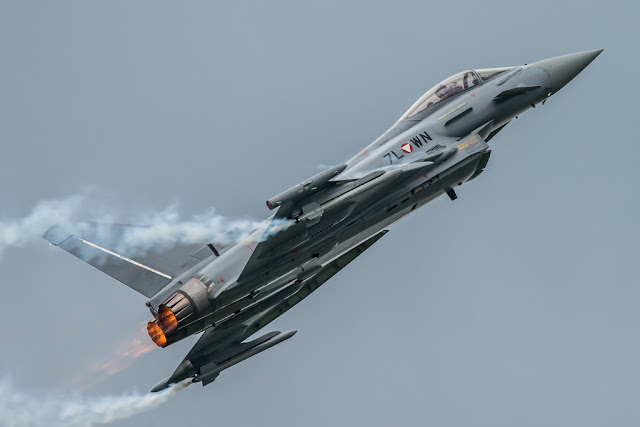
(222, 346)
(128, 254)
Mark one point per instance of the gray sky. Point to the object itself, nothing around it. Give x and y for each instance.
(516, 304)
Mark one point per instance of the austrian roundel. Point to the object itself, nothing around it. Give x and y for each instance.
(407, 148)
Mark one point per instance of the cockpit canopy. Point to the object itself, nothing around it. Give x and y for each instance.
(452, 86)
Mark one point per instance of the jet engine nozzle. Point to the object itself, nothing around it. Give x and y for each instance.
(183, 306)
(156, 334)
(167, 319)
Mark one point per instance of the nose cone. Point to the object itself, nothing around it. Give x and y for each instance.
(562, 69)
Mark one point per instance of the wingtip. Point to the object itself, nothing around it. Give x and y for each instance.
(54, 235)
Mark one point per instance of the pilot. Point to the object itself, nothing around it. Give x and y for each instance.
(442, 92)
(454, 89)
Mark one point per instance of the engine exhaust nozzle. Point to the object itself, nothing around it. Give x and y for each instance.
(157, 334)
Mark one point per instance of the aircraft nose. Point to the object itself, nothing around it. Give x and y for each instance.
(562, 69)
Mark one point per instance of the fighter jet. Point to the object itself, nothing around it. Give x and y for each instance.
(232, 289)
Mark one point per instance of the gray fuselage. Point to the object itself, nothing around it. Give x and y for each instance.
(279, 260)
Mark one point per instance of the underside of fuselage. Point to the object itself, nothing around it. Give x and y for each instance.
(231, 289)
(392, 177)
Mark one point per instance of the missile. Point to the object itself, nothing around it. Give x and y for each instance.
(306, 187)
(211, 374)
(315, 210)
(297, 275)
(231, 356)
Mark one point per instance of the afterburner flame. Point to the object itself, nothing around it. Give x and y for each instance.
(167, 320)
(156, 334)
(113, 359)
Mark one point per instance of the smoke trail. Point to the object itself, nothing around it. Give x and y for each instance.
(18, 409)
(161, 229)
(42, 216)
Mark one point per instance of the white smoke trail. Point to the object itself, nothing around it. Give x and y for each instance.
(162, 229)
(46, 213)
(20, 410)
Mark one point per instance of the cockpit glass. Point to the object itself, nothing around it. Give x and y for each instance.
(446, 89)
(487, 73)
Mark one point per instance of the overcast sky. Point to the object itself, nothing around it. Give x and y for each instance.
(517, 304)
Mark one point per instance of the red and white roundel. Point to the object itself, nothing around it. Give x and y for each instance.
(407, 148)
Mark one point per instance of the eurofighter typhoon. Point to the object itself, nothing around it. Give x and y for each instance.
(231, 290)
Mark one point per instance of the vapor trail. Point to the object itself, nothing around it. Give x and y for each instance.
(18, 409)
(18, 232)
(165, 227)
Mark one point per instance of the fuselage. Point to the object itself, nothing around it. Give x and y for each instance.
(439, 144)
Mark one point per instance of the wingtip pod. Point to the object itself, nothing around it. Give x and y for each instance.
(58, 233)
(162, 385)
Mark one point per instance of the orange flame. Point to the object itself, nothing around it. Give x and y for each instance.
(167, 320)
(156, 334)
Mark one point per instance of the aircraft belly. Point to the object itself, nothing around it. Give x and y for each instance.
(363, 223)
(367, 215)
(377, 217)
(373, 212)
(417, 192)
(235, 278)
